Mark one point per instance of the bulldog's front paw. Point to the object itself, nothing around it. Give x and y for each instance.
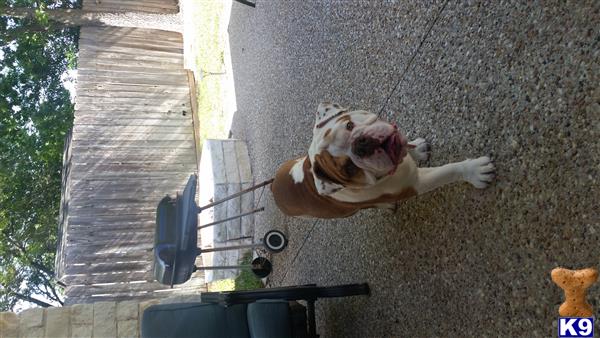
(420, 149)
(480, 172)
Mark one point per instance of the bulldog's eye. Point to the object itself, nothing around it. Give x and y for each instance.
(350, 125)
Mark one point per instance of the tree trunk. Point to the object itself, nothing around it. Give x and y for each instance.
(80, 17)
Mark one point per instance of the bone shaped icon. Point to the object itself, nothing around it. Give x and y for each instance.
(575, 283)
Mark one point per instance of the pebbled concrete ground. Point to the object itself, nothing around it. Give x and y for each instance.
(518, 80)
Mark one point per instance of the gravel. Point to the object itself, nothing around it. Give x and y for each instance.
(518, 81)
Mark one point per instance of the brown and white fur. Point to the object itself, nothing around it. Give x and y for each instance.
(357, 161)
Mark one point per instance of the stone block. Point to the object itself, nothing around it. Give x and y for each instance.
(105, 321)
(220, 231)
(127, 310)
(82, 313)
(31, 332)
(231, 166)
(81, 331)
(32, 318)
(205, 178)
(243, 162)
(9, 325)
(233, 226)
(214, 149)
(127, 328)
(247, 204)
(57, 322)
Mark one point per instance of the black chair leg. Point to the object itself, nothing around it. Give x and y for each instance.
(312, 323)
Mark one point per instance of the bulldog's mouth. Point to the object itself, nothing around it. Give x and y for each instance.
(394, 146)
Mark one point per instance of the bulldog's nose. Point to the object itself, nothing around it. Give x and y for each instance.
(365, 146)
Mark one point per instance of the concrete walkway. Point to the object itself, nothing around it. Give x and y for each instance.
(516, 81)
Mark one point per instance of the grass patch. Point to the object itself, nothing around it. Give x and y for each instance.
(208, 50)
(221, 285)
(245, 281)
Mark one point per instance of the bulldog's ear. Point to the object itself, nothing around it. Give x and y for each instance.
(326, 112)
(326, 174)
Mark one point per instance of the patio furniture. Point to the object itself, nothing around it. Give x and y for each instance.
(263, 313)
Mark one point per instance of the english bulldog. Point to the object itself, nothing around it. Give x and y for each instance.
(357, 161)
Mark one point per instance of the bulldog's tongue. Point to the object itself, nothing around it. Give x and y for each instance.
(393, 148)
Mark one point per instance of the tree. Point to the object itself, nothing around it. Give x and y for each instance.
(35, 114)
(80, 17)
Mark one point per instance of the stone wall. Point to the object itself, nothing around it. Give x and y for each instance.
(97, 320)
(225, 170)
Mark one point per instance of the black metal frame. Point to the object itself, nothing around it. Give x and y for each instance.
(310, 293)
(247, 3)
(237, 194)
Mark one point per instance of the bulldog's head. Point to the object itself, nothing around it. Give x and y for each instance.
(353, 149)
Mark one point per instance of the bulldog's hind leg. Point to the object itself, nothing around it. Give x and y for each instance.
(480, 172)
(390, 207)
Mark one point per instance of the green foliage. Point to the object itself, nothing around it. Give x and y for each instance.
(35, 114)
(246, 279)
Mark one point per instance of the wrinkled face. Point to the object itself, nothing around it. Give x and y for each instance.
(353, 149)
